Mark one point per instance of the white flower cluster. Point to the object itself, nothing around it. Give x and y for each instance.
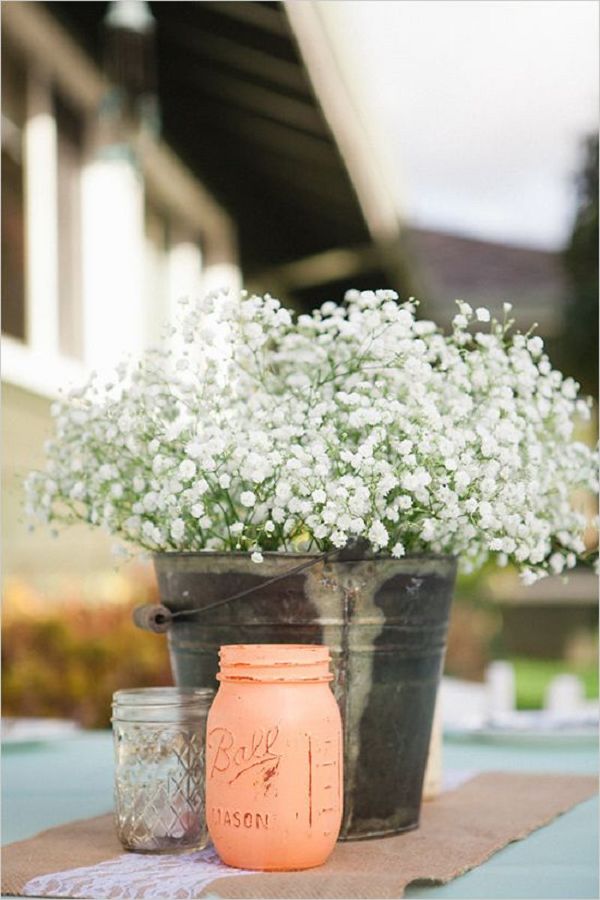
(254, 431)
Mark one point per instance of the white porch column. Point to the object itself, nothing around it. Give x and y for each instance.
(40, 145)
(113, 261)
(185, 273)
(221, 276)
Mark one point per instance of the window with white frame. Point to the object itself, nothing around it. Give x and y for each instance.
(42, 160)
(14, 319)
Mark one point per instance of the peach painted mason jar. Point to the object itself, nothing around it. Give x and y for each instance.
(274, 758)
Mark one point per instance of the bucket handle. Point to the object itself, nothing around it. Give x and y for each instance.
(158, 618)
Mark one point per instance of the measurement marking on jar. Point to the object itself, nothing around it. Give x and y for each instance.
(320, 753)
(309, 781)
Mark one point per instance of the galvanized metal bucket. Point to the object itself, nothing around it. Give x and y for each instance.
(385, 621)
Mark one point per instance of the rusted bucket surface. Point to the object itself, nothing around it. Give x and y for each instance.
(385, 621)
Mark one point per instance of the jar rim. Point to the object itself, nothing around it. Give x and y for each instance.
(267, 655)
(151, 697)
(274, 663)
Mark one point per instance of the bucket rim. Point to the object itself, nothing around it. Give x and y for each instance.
(290, 555)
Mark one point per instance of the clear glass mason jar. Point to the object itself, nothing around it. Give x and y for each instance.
(159, 736)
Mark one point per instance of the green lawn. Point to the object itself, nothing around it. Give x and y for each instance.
(534, 675)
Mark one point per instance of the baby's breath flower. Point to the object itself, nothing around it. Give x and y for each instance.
(186, 470)
(535, 345)
(378, 535)
(529, 577)
(177, 529)
(339, 539)
(354, 421)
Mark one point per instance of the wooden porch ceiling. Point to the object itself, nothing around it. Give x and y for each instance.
(239, 109)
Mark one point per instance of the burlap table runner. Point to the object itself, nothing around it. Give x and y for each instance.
(459, 831)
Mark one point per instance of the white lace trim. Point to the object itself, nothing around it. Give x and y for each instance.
(133, 875)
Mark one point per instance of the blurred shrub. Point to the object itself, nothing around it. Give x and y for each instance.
(66, 658)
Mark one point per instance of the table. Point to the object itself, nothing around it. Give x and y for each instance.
(50, 784)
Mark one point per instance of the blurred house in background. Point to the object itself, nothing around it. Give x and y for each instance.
(448, 266)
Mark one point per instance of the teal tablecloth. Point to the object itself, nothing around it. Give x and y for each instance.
(50, 784)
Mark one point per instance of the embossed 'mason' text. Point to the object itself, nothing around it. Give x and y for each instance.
(237, 819)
